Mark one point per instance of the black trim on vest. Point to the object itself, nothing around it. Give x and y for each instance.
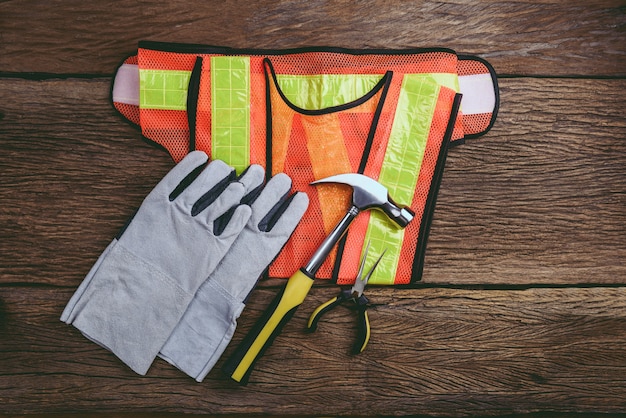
(224, 50)
(332, 109)
(193, 92)
(268, 128)
(429, 208)
(341, 246)
(374, 126)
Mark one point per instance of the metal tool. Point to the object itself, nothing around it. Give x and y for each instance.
(367, 194)
(355, 296)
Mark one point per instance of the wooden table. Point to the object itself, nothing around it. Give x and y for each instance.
(522, 308)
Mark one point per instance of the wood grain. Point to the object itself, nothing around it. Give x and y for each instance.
(540, 200)
(543, 37)
(522, 308)
(432, 351)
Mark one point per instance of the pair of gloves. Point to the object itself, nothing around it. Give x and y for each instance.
(174, 281)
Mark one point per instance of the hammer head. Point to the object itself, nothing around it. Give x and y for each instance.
(367, 193)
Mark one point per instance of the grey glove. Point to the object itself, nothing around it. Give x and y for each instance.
(210, 321)
(141, 285)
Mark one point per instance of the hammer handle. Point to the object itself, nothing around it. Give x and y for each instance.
(240, 364)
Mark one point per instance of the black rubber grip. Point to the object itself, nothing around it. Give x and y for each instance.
(242, 349)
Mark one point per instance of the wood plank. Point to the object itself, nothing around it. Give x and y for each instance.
(543, 37)
(432, 351)
(540, 199)
(72, 171)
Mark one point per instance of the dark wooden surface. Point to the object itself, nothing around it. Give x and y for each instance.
(522, 309)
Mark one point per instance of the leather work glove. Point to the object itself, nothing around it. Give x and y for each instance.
(141, 285)
(210, 321)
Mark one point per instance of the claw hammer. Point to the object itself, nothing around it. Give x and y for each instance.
(367, 193)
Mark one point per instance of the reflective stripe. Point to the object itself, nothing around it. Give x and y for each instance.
(400, 169)
(313, 92)
(163, 89)
(448, 80)
(126, 85)
(230, 110)
(478, 93)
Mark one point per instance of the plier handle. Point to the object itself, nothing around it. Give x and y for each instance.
(363, 324)
(359, 300)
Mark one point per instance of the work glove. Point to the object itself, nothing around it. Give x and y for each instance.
(207, 327)
(141, 285)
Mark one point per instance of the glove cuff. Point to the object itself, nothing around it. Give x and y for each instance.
(68, 314)
(124, 294)
(204, 331)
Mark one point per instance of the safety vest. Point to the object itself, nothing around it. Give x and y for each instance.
(313, 113)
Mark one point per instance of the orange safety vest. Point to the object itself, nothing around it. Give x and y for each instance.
(313, 113)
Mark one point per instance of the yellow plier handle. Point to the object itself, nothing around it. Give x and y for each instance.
(363, 330)
(321, 310)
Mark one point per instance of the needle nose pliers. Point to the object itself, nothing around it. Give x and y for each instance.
(352, 295)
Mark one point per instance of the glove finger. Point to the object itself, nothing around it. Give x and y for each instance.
(252, 178)
(206, 188)
(288, 214)
(181, 175)
(230, 197)
(237, 222)
(273, 193)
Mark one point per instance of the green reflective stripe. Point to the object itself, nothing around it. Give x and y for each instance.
(448, 80)
(400, 169)
(163, 89)
(313, 92)
(230, 110)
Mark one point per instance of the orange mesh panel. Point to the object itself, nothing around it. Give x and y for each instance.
(354, 127)
(309, 233)
(282, 119)
(469, 67)
(168, 128)
(459, 129)
(476, 123)
(130, 112)
(162, 60)
(328, 155)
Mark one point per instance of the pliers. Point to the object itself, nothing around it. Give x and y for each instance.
(356, 296)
